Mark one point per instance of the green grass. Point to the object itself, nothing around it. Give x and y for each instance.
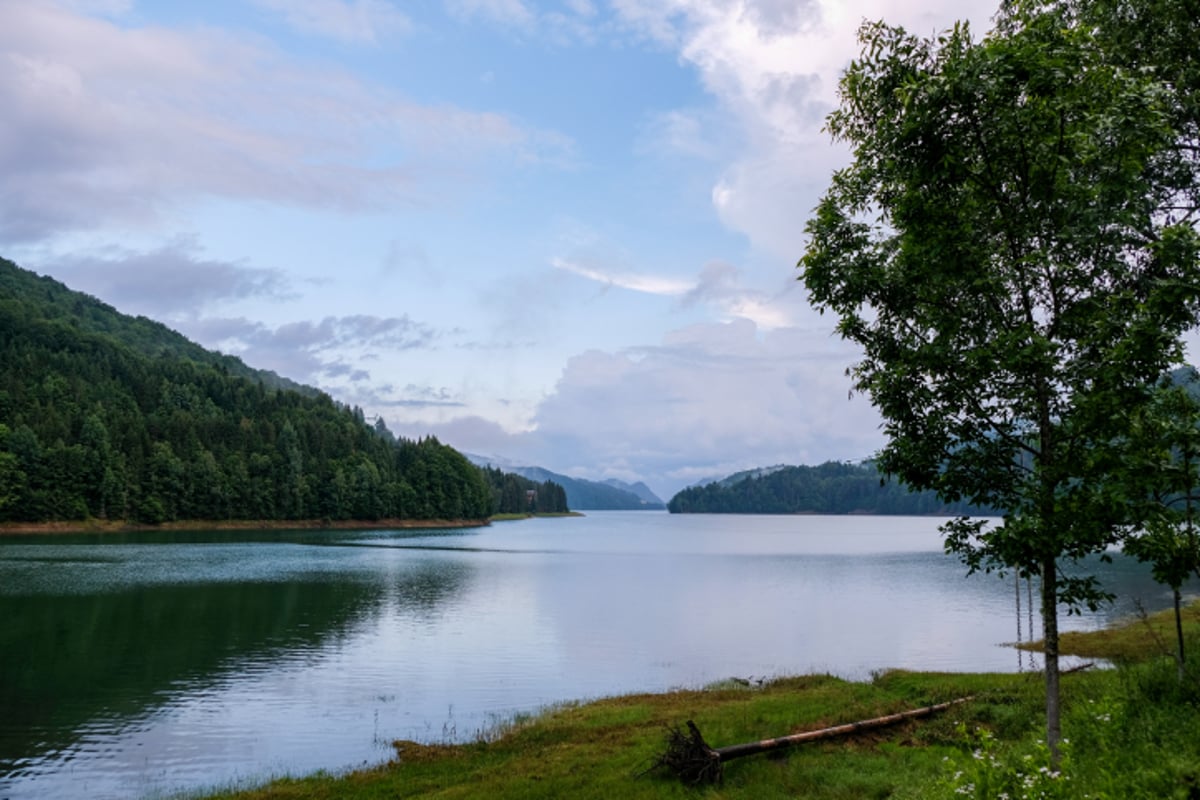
(603, 749)
(1131, 731)
(1135, 639)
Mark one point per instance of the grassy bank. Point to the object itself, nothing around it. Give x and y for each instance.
(1138, 638)
(1131, 734)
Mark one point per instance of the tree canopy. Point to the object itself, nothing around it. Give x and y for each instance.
(1005, 248)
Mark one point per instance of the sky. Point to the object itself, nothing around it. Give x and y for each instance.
(559, 233)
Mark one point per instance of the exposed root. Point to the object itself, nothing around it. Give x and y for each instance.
(689, 757)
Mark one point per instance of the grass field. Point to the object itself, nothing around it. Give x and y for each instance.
(1131, 733)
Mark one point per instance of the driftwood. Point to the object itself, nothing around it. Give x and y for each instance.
(694, 761)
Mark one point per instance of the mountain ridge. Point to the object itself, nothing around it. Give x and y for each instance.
(582, 494)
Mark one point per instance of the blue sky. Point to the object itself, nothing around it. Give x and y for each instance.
(561, 233)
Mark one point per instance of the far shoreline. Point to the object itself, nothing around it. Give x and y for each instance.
(125, 526)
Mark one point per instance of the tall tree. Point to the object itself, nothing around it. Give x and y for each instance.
(999, 248)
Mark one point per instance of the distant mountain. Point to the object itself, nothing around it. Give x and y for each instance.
(640, 489)
(830, 488)
(582, 494)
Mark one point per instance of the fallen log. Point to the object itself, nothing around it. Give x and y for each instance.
(694, 761)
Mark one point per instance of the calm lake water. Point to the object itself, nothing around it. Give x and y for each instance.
(145, 665)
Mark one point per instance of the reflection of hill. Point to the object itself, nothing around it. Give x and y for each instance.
(68, 659)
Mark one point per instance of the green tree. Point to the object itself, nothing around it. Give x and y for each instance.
(12, 479)
(1158, 36)
(1002, 250)
(290, 476)
(97, 467)
(1165, 473)
(166, 484)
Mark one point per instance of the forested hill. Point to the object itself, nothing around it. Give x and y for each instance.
(108, 416)
(44, 298)
(831, 488)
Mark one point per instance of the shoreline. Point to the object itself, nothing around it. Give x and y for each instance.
(124, 526)
(614, 746)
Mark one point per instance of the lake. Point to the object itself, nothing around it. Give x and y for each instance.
(144, 665)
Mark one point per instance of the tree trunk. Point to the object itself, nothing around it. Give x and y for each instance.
(694, 761)
(1179, 655)
(1050, 636)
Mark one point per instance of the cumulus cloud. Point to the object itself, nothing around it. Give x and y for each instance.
(773, 67)
(707, 401)
(355, 22)
(107, 122)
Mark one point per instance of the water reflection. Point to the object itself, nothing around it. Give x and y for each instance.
(1026, 661)
(96, 639)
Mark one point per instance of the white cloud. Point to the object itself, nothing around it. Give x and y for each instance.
(112, 124)
(649, 284)
(709, 400)
(773, 67)
(718, 286)
(356, 21)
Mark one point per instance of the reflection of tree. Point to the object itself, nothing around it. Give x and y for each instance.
(65, 659)
(423, 590)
